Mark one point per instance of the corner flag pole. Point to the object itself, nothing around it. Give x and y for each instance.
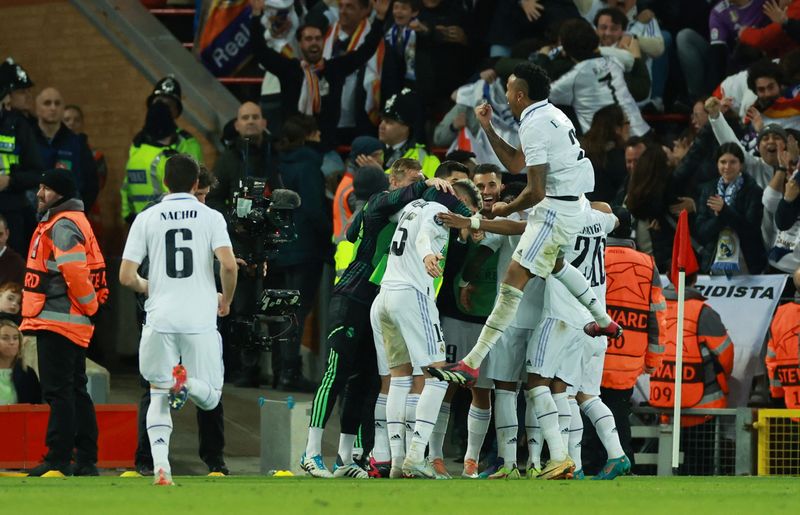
(676, 413)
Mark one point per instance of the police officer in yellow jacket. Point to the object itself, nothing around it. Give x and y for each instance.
(400, 131)
(20, 165)
(159, 139)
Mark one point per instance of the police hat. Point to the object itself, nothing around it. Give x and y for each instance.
(402, 107)
(20, 79)
(167, 87)
(6, 79)
(61, 181)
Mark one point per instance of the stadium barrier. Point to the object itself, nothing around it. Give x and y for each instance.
(23, 428)
(284, 427)
(721, 445)
(778, 442)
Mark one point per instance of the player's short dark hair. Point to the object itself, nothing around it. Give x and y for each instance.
(415, 5)
(303, 27)
(579, 39)
(447, 168)
(468, 188)
(532, 79)
(617, 16)
(511, 191)
(485, 168)
(763, 69)
(180, 173)
(206, 178)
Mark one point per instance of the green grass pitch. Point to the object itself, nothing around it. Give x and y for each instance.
(197, 495)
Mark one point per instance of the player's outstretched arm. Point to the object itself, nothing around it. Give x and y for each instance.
(533, 193)
(505, 227)
(511, 157)
(227, 276)
(129, 277)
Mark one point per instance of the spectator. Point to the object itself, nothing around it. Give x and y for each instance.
(707, 365)
(344, 36)
(790, 26)
(18, 382)
(60, 319)
(513, 22)
(783, 351)
(62, 148)
(728, 218)
(443, 60)
(772, 39)
(699, 116)
(311, 84)
(651, 191)
(300, 262)
(21, 95)
(168, 91)
(765, 79)
(73, 119)
(610, 25)
(579, 87)
(400, 132)
(399, 65)
(604, 144)
(784, 257)
(20, 165)
(11, 301)
(770, 142)
(12, 266)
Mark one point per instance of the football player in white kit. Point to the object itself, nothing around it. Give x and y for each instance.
(180, 352)
(558, 176)
(554, 355)
(595, 81)
(406, 319)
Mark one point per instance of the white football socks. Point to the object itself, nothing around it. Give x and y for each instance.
(346, 448)
(575, 434)
(314, 443)
(505, 308)
(380, 451)
(547, 413)
(436, 443)
(605, 425)
(411, 417)
(159, 429)
(564, 415)
(477, 426)
(430, 400)
(533, 432)
(506, 425)
(579, 287)
(396, 417)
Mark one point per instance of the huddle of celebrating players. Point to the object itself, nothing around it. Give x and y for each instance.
(546, 332)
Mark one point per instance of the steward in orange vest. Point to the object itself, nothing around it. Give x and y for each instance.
(361, 150)
(783, 354)
(707, 358)
(634, 300)
(65, 283)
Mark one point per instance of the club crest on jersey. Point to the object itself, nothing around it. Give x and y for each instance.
(437, 221)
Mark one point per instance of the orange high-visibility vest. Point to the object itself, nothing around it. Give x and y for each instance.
(341, 208)
(707, 363)
(64, 288)
(783, 355)
(631, 300)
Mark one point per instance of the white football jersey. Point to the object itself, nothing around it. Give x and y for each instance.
(593, 84)
(179, 236)
(587, 254)
(530, 307)
(419, 233)
(548, 137)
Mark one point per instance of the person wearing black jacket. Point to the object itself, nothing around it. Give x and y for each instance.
(20, 166)
(62, 148)
(312, 85)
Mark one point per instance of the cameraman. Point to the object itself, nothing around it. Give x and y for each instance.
(250, 154)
